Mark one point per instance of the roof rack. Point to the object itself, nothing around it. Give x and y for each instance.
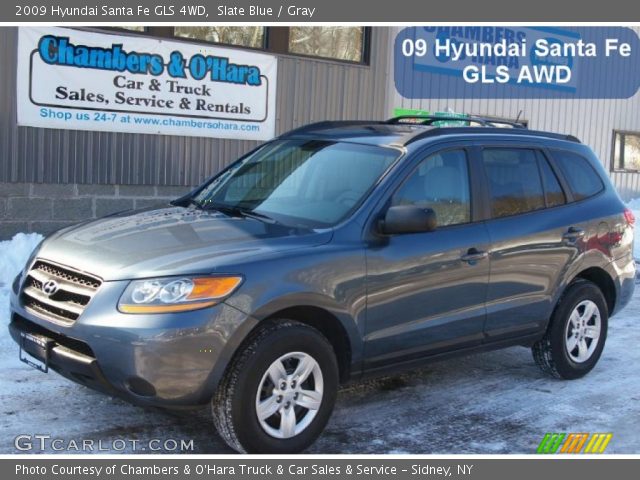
(332, 123)
(488, 130)
(487, 126)
(431, 119)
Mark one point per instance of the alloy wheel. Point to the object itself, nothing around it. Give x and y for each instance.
(289, 395)
(583, 331)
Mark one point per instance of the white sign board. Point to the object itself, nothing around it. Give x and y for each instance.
(82, 80)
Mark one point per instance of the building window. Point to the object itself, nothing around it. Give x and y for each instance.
(338, 43)
(626, 151)
(241, 36)
(346, 44)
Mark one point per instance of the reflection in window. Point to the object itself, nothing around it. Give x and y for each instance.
(514, 181)
(242, 36)
(313, 182)
(340, 43)
(441, 183)
(583, 180)
(552, 189)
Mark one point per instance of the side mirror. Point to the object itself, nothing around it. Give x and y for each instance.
(408, 219)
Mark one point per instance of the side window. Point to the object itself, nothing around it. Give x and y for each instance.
(552, 189)
(514, 181)
(583, 180)
(441, 182)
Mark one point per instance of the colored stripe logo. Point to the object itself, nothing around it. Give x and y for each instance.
(574, 443)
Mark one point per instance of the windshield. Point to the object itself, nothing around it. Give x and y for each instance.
(315, 183)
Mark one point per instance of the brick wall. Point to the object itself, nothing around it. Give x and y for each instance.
(44, 208)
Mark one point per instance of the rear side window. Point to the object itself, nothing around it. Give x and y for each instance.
(583, 180)
(514, 181)
(552, 189)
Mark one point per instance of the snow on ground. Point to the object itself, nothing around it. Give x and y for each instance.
(13, 256)
(497, 402)
(634, 206)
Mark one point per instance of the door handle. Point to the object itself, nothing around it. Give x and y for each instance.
(473, 255)
(573, 234)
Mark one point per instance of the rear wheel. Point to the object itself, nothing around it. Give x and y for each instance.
(278, 393)
(576, 334)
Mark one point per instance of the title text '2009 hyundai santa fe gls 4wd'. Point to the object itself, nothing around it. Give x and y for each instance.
(338, 250)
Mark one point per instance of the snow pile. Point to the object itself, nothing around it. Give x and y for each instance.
(13, 255)
(634, 206)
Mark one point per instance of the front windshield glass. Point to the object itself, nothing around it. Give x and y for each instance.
(315, 183)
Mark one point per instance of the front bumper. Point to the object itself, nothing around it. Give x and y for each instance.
(170, 360)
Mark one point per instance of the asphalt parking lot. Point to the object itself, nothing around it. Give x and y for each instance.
(496, 402)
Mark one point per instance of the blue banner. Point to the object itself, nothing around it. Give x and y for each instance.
(517, 62)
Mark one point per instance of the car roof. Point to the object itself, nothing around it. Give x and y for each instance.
(401, 131)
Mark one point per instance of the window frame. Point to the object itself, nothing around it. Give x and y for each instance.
(613, 167)
(474, 214)
(116, 30)
(262, 48)
(275, 41)
(365, 57)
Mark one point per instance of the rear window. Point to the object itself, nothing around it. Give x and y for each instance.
(514, 181)
(583, 180)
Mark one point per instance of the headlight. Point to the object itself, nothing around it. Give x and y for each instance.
(176, 294)
(32, 257)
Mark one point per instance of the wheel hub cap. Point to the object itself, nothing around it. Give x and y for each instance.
(289, 395)
(583, 331)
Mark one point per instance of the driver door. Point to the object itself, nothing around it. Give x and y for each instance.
(426, 292)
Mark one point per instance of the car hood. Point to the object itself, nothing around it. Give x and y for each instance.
(170, 241)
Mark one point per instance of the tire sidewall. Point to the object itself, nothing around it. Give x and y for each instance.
(245, 421)
(579, 292)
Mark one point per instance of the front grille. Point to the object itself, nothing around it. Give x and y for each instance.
(74, 292)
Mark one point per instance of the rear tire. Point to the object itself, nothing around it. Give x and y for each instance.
(576, 334)
(300, 360)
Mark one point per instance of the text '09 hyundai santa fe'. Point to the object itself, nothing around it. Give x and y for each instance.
(335, 251)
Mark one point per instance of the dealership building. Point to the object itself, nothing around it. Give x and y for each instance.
(96, 120)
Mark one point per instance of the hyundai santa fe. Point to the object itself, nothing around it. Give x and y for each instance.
(336, 251)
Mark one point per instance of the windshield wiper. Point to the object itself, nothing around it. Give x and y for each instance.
(235, 211)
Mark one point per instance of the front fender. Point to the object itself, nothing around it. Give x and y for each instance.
(351, 325)
(330, 277)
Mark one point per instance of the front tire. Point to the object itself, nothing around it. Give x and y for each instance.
(576, 334)
(279, 391)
